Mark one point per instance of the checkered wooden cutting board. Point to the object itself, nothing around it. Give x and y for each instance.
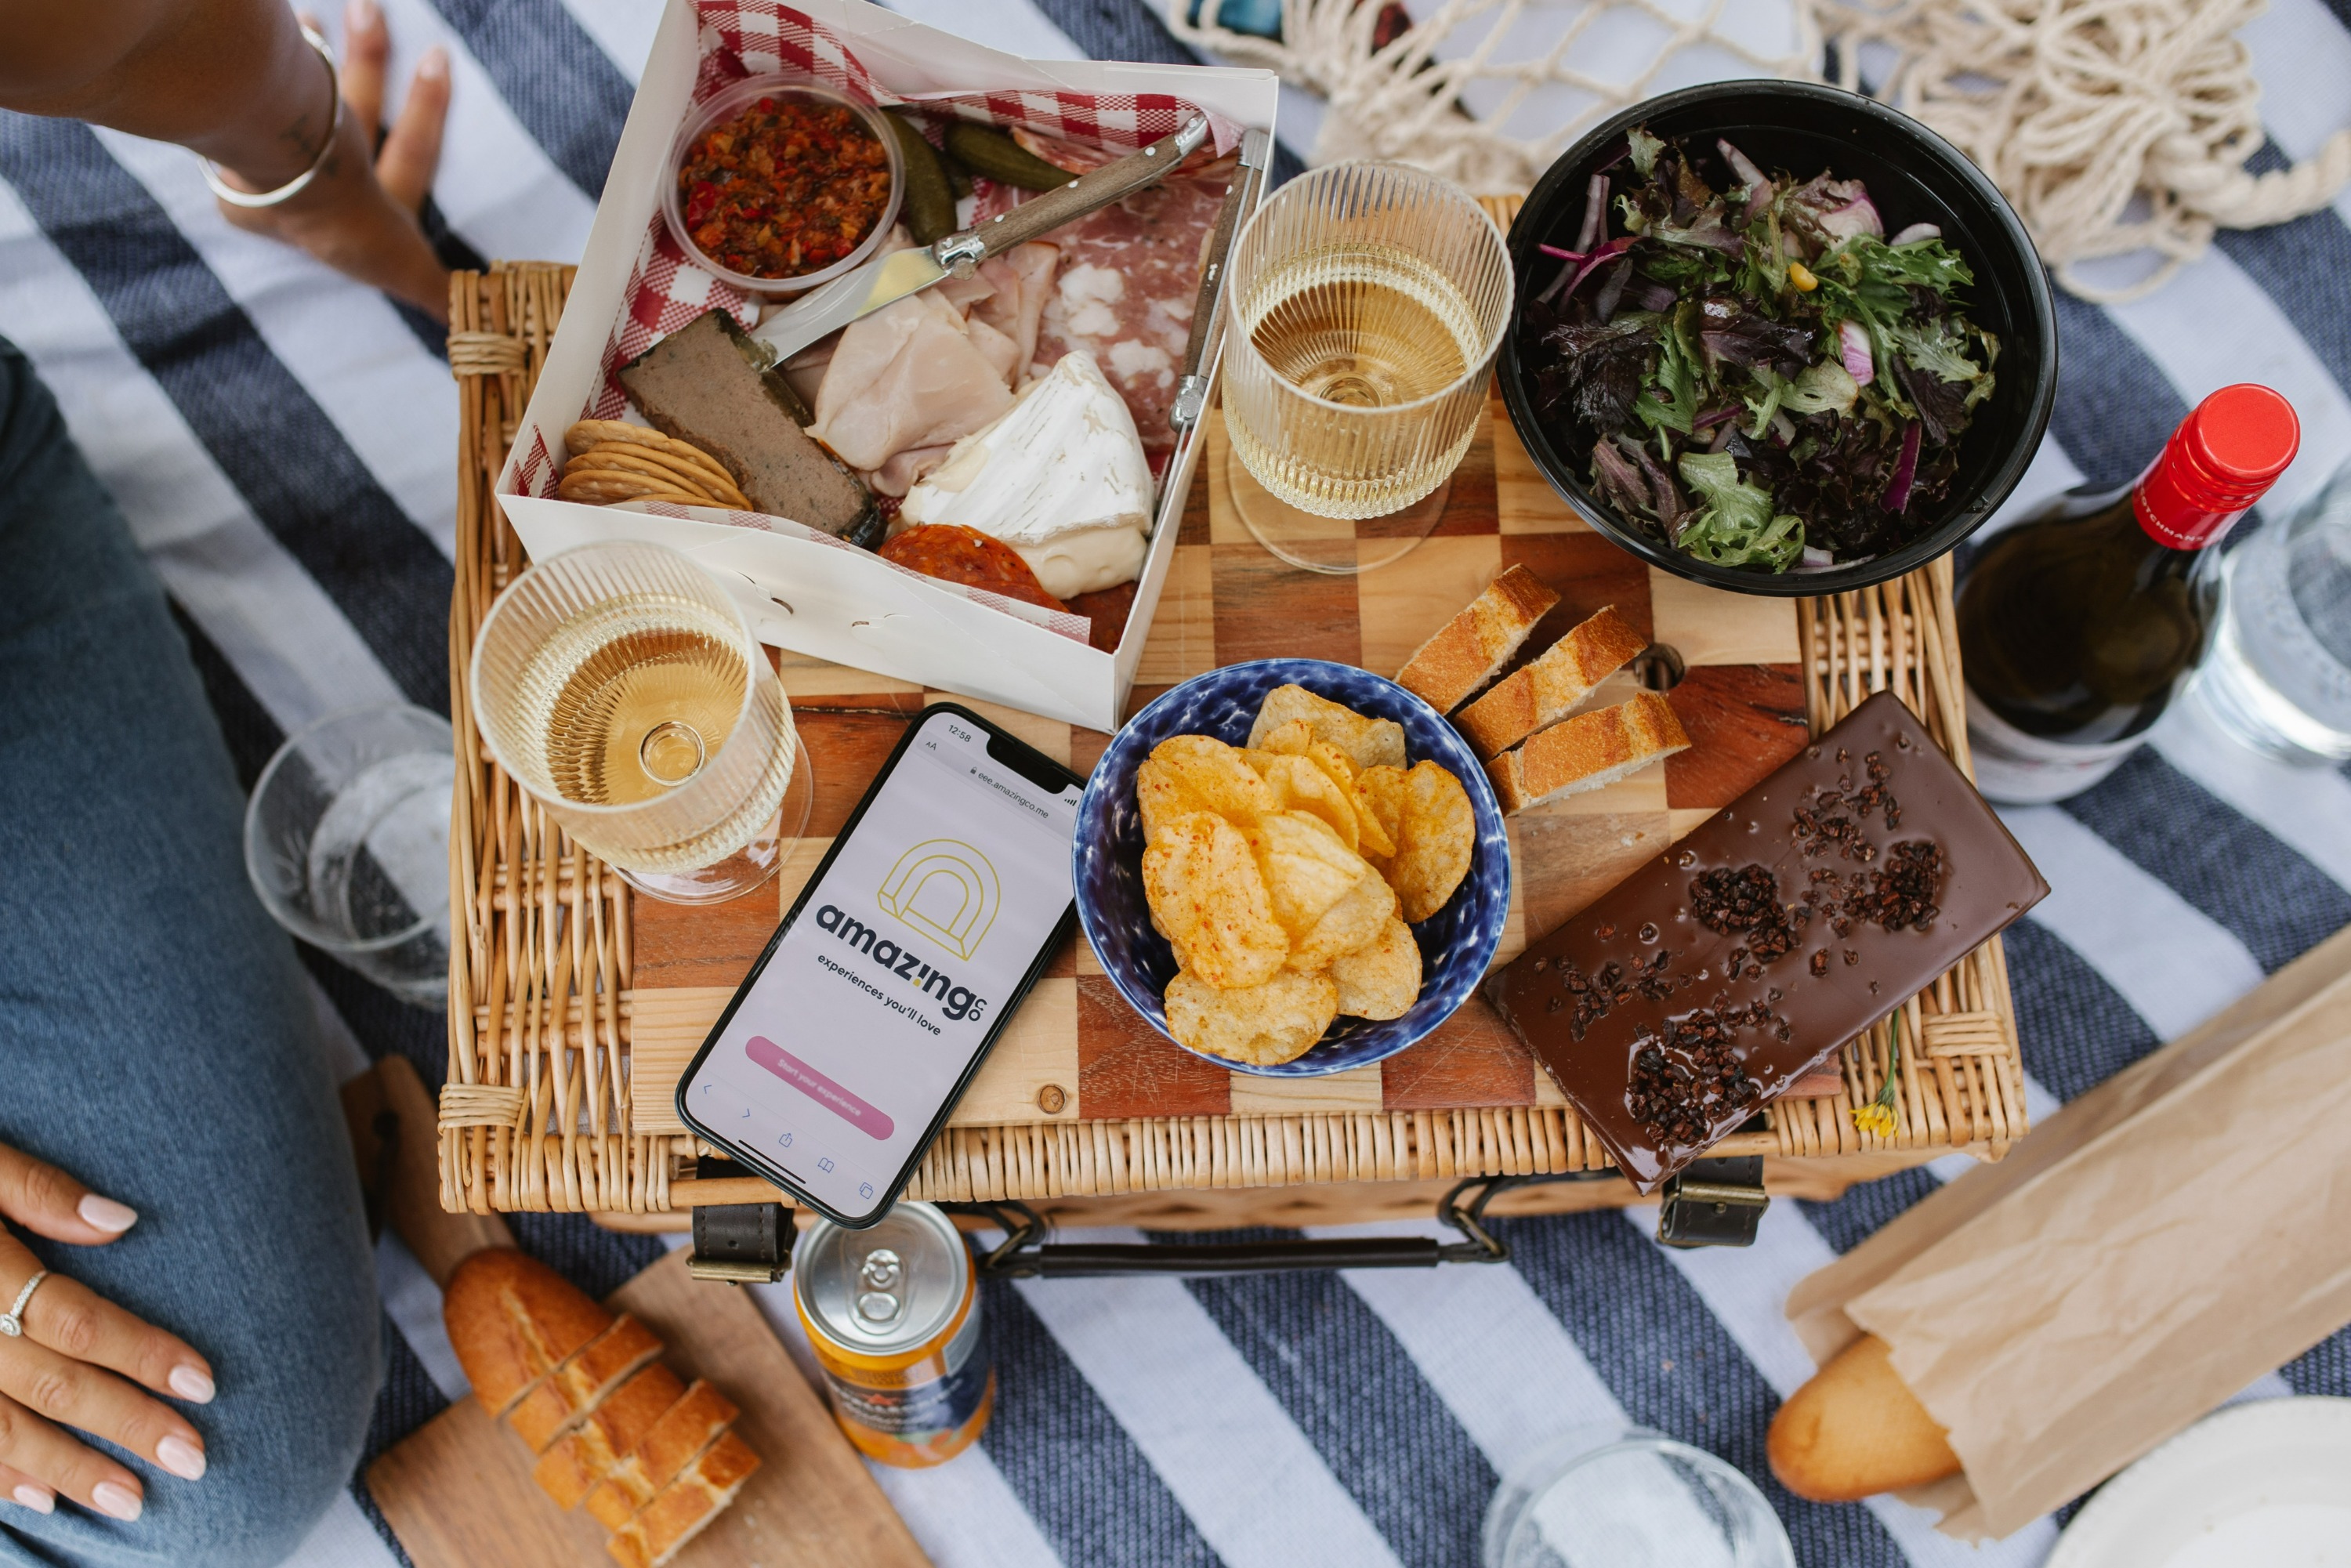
(1076, 1050)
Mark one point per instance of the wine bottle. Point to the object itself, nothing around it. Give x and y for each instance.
(2078, 625)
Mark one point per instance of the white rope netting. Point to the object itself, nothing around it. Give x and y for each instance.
(1490, 92)
(2115, 126)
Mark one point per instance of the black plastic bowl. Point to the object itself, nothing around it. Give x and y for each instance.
(1914, 176)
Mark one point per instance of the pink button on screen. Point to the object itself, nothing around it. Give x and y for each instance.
(867, 1119)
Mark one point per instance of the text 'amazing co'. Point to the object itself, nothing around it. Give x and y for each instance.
(956, 1001)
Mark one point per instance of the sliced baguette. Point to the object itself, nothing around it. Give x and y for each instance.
(1587, 751)
(1856, 1430)
(677, 1440)
(1469, 649)
(685, 1507)
(1541, 694)
(565, 1396)
(512, 1319)
(572, 1467)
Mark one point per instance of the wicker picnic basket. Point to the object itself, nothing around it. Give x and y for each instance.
(536, 1114)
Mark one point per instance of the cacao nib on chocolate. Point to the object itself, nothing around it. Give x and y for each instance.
(1787, 924)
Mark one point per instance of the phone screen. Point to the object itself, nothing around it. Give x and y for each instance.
(897, 966)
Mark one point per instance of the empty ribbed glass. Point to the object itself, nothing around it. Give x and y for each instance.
(622, 687)
(1368, 302)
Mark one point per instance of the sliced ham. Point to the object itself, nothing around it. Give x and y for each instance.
(906, 469)
(909, 376)
(1018, 286)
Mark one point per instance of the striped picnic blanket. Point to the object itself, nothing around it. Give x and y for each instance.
(281, 442)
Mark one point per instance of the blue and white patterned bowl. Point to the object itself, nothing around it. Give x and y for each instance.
(1457, 943)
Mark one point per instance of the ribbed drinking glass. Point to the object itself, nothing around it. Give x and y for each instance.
(621, 686)
(1368, 302)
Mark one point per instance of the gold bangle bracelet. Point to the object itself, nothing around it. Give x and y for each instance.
(299, 182)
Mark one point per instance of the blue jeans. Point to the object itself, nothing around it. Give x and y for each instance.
(156, 1036)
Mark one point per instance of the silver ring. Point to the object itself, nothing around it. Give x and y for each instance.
(299, 182)
(12, 1321)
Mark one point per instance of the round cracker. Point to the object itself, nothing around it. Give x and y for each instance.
(590, 433)
(606, 485)
(1263, 1025)
(615, 458)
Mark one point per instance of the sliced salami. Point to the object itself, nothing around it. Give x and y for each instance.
(953, 553)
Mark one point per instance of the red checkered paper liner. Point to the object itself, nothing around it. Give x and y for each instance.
(742, 38)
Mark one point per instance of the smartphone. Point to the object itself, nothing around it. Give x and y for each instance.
(937, 908)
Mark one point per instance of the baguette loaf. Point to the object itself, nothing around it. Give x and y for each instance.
(1541, 694)
(1587, 751)
(1856, 1430)
(570, 1470)
(1469, 649)
(677, 1440)
(512, 1319)
(564, 1397)
(687, 1506)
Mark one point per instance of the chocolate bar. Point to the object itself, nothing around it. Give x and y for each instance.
(1714, 977)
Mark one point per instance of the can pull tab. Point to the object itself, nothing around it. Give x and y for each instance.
(879, 1277)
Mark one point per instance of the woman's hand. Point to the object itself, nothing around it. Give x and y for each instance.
(358, 216)
(82, 1361)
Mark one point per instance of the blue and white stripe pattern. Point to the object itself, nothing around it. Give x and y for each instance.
(281, 442)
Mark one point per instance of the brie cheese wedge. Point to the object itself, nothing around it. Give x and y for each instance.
(1060, 476)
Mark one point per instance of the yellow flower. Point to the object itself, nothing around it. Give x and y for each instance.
(1877, 1117)
(1801, 276)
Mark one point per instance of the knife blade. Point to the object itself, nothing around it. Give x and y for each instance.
(1207, 308)
(894, 277)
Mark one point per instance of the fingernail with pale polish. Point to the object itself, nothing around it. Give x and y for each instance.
(40, 1499)
(360, 14)
(107, 1214)
(434, 66)
(117, 1499)
(182, 1457)
(191, 1385)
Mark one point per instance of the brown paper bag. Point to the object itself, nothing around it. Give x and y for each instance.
(2154, 1247)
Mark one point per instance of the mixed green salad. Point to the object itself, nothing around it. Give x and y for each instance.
(1766, 378)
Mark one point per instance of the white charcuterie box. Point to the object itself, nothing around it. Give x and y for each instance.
(804, 589)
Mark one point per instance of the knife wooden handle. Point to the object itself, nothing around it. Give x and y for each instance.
(1042, 214)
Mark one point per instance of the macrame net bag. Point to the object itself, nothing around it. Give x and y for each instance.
(2115, 126)
(1490, 92)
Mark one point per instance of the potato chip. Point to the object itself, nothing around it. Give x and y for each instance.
(1371, 836)
(1290, 739)
(1301, 786)
(1352, 923)
(1306, 869)
(1438, 830)
(1187, 773)
(1209, 898)
(1368, 742)
(1381, 980)
(1263, 1025)
(1379, 796)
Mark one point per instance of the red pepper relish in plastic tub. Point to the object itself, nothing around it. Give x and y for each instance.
(893, 1314)
(778, 185)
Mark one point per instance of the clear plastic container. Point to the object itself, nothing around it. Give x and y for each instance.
(725, 106)
(1625, 1497)
(347, 842)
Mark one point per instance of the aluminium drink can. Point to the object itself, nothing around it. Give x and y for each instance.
(893, 1314)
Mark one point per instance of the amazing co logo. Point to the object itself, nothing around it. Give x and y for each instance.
(946, 889)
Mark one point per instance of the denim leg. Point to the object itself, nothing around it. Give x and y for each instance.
(156, 1036)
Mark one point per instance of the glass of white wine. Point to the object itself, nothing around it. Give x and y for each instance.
(1368, 302)
(622, 687)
